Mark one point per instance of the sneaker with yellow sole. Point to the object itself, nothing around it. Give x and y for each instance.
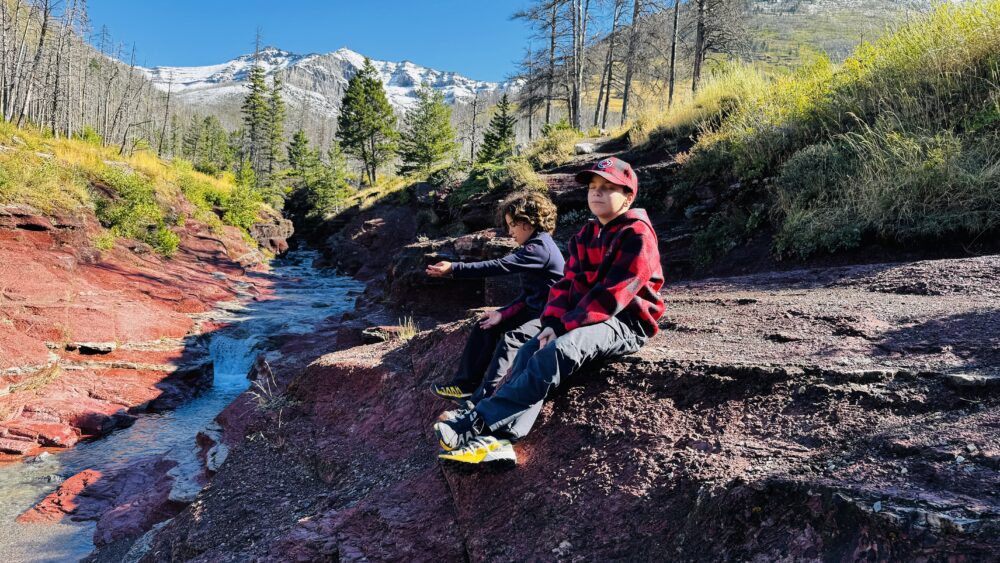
(482, 450)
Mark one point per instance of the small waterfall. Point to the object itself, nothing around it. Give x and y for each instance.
(301, 298)
(232, 356)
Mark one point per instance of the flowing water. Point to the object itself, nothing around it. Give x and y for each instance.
(303, 296)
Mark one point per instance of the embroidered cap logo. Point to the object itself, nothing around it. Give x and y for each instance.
(606, 163)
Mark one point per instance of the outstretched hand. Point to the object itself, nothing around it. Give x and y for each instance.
(547, 335)
(439, 270)
(490, 319)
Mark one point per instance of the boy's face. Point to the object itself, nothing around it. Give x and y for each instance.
(606, 199)
(520, 232)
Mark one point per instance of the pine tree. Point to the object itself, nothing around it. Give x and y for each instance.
(255, 121)
(213, 155)
(428, 137)
(275, 126)
(366, 127)
(191, 138)
(498, 141)
(299, 153)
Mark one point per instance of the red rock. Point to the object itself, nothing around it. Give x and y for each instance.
(56, 289)
(44, 433)
(124, 501)
(63, 501)
(17, 446)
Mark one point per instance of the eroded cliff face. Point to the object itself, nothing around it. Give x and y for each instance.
(90, 337)
(842, 414)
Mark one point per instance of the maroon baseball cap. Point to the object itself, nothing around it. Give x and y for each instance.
(613, 170)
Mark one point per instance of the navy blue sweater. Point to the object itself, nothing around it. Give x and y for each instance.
(539, 263)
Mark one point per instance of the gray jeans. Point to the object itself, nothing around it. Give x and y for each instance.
(516, 403)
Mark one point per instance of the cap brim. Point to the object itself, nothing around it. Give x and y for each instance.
(585, 176)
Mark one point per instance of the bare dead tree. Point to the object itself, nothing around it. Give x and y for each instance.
(46, 9)
(166, 115)
(607, 72)
(633, 44)
(673, 54)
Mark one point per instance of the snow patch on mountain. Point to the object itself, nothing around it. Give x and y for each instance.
(314, 81)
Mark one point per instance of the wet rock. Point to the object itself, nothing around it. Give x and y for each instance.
(273, 233)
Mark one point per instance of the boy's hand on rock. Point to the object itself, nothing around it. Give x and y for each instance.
(547, 335)
(490, 319)
(439, 270)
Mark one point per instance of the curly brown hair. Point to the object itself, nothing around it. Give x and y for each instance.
(533, 208)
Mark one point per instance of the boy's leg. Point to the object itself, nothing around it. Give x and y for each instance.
(505, 353)
(479, 347)
(516, 404)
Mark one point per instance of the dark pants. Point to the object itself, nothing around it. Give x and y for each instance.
(483, 362)
(515, 405)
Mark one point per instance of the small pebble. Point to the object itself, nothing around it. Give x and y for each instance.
(959, 459)
(877, 507)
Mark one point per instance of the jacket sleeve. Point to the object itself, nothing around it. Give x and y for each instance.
(531, 256)
(558, 303)
(631, 270)
(514, 307)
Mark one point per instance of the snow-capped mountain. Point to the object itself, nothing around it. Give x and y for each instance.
(313, 83)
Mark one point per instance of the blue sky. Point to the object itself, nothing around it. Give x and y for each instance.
(475, 38)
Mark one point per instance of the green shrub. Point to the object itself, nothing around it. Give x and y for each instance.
(201, 193)
(242, 207)
(556, 145)
(514, 173)
(164, 241)
(889, 184)
(134, 212)
(105, 241)
(88, 135)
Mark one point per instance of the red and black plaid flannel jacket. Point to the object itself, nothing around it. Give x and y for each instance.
(611, 269)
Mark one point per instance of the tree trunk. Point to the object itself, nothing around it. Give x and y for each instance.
(552, 63)
(606, 76)
(673, 55)
(472, 140)
(166, 116)
(46, 13)
(632, 46)
(699, 47)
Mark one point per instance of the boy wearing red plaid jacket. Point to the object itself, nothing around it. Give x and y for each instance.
(606, 305)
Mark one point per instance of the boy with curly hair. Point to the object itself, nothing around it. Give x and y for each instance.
(530, 217)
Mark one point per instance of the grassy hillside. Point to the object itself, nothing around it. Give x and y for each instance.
(140, 197)
(900, 143)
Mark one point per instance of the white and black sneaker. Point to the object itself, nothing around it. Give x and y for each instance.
(455, 429)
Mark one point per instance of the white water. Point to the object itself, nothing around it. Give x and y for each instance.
(303, 297)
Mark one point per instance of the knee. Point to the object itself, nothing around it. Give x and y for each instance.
(543, 363)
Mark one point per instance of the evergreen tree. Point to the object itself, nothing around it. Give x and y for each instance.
(498, 141)
(191, 138)
(256, 109)
(275, 126)
(300, 155)
(213, 154)
(366, 127)
(428, 137)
